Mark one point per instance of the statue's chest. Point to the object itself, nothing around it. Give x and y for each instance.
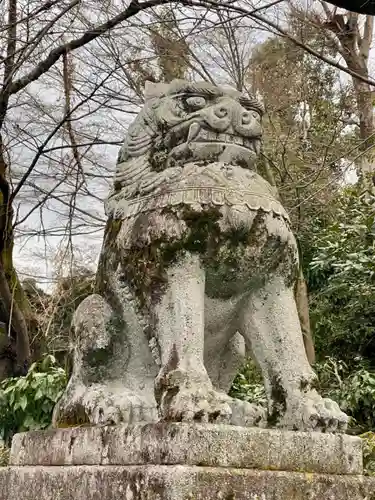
(213, 185)
(237, 246)
(218, 184)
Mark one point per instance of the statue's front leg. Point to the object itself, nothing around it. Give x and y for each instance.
(270, 324)
(183, 388)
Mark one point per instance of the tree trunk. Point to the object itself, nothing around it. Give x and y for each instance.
(14, 339)
(366, 163)
(354, 47)
(302, 301)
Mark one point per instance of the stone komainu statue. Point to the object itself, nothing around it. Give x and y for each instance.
(197, 268)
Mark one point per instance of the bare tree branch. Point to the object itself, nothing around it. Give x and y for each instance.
(50, 135)
(133, 9)
(281, 31)
(30, 47)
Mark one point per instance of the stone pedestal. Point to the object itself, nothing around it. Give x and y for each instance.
(184, 461)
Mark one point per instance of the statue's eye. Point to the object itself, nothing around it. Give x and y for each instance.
(195, 102)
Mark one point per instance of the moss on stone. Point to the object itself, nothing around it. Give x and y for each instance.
(144, 267)
(97, 360)
(224, 253)
(97, 357)
(158, 159)
(73, 416)
(278, 397)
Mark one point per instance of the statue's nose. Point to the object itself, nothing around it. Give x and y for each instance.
(226, 111)
(231, 117)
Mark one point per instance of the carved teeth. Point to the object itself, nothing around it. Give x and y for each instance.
(206, 135)
(248, 143)
(193, 131)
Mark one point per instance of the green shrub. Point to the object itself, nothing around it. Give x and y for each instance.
(248, 385)
(369, 453)
(352, 389)
(26, 403)
(341, 280)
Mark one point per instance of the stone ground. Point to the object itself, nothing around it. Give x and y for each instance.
(191, 444)
(184, 462)
(176, 482)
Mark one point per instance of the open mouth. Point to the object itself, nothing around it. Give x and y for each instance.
(208, 136)
(199, 134)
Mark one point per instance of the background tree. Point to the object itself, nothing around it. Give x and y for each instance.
(349, 35)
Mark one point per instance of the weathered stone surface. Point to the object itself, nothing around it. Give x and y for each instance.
(176, 483)
(191, 444)
(198, 261)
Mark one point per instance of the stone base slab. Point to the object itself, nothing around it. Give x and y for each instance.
(176, 482)
(190, 444)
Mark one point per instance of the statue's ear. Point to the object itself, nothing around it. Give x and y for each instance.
(153, 90)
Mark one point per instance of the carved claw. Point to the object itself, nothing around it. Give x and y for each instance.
(246, 414)
(311, 412)
(99, 405)
(198, 406)
(182, 397)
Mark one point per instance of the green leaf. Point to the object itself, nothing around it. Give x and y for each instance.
(30, 423)
(39, 394)
(23, 402)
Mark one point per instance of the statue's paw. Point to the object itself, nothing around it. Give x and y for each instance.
(108, 407)
(246, 414)
(326, 416)
(99, 405)
(185, 397)
(315, 413)
(182, 405)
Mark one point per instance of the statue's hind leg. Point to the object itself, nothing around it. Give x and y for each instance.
(109, 384)
(223, 360)
(225, 354)
(270, 324)
(183, 388)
